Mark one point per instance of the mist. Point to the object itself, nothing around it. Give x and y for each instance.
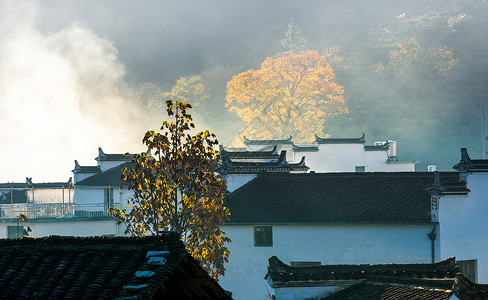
(61, 97)
(71, 73)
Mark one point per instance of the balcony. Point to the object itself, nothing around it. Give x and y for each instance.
(35, 211)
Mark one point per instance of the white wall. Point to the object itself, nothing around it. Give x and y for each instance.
(89, 195)
(109, 164)
(464, 224)
(345, 157)
(329, 244)
(235, 181)
(68, 228)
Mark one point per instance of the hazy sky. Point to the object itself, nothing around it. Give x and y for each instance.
(66, 67)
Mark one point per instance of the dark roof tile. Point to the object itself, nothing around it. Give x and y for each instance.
(359, 140)
(113, 157)
(376, 291)
(97, 268)
(336, 197)
(110, 177)
(282, 274)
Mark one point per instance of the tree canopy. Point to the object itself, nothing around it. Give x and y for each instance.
(291, 94)
(176, 189)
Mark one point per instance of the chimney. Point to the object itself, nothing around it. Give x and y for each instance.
(392, 150)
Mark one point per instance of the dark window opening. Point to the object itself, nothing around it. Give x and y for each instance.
(263, 236)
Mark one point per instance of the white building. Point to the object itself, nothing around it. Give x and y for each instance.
(303, 218)
(330, 218)
(464, 221)
(339, 154)
(73, 208)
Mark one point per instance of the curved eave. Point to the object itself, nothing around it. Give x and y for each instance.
(359, 140)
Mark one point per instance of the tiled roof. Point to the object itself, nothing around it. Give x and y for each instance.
(305, 148)
(465, 289)
(273, 154)
(110, 177)
(283, 275)
(112, 157)
(315, 198)
(267, 142)
(387, 291)
(279, 165)
(466, 164)
(359, 140)
(102, 268)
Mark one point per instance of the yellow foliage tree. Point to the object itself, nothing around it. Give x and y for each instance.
(415, 66)
(291, 94)
(176, 189)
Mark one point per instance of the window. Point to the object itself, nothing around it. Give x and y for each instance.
(14, 232)
(108, 197)
(305, 263)
(468, 268)
(360, 169)
(263, 236)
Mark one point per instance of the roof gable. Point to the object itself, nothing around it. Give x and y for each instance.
(466, 164)
(316, 198)
(102, 156)
(110, 177)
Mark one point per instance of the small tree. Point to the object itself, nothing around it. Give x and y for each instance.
(176, 189)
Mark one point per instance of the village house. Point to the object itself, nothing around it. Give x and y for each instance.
(74, 208)
(441, 281)
(339, 154)
(279, 206)
(332, 218)
(363, 281)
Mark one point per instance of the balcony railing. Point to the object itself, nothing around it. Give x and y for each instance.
(54, 210)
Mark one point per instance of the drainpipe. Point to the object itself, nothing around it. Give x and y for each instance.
(432, 236)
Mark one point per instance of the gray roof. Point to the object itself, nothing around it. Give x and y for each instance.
(110, 177)
(317, 198)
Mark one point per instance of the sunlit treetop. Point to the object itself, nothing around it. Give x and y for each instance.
(290, 94)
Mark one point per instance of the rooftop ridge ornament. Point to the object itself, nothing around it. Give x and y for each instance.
(436, 188)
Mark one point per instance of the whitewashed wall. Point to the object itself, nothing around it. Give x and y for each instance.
(345, 157)
(329, 244)
(108, 164)
(68, 228)
(89, 195)
(235, 181)
(464, 224)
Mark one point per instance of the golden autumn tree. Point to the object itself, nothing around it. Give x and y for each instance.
(291, 94)
(176, 189)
